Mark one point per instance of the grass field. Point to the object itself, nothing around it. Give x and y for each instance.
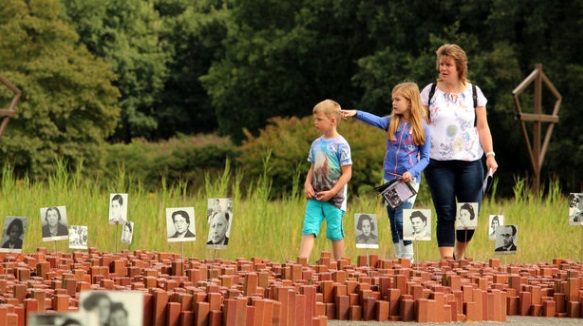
(270, 229)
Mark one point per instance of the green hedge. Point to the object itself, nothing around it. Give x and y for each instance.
(179, 160)
(279, 154)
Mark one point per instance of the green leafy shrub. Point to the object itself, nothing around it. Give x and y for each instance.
(178, 160)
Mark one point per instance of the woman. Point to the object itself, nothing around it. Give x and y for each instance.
(460, 136)
(366, 227)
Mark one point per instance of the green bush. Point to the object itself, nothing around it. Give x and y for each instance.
(178, 160)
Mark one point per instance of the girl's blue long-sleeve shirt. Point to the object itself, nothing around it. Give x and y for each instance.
(401, 155)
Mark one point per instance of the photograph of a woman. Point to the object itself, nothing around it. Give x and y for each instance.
(13, 234)
(366, 231)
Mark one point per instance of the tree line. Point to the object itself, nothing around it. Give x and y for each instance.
(112, 71)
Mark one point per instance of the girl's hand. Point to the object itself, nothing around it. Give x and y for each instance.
(347, 113)
(406, 177)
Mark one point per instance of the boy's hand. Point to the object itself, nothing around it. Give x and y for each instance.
(347, 113)
(325, 195)
(406, 177)
(309, 191)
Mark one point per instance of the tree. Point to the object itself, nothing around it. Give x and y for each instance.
(127, 34)
(281, 58)
(68, 105)
(194, 32)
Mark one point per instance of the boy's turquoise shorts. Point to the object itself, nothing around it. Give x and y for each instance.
(316, 211)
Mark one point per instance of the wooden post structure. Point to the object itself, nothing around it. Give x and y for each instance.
(535, 151)
(9, 113)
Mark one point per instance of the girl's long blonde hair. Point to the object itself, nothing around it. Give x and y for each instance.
(410, 92)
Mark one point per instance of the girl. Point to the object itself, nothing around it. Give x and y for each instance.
(407, 151)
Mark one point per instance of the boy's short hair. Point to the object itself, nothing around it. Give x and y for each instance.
(329, 108)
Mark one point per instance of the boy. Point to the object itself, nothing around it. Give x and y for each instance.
(326, 182)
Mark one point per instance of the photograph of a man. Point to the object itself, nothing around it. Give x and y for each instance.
(13, 235)
(54, 223)
(180, 225)
(506, 237)
(118, 208)
(417, 224)
(219, 225)
(219, 219)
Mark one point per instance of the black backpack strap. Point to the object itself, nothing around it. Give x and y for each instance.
(475, 97)
(431, 92)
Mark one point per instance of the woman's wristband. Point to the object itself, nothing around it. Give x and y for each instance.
(490, 153)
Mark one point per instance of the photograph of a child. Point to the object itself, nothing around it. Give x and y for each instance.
(417, 224)
(113, 308)
(494, 221)
(13, 233)
(54, 223)
(118, 208)
(219, 221)
(576, 209)
(78, 237)
(467, 216)
(366, 231)
(180, 224)
(127, 232)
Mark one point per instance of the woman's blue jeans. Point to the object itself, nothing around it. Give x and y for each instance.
(396, 216)
(449, 181)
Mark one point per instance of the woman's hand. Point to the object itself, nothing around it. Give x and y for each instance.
(491, 163)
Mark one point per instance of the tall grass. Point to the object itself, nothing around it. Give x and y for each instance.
(265, 228)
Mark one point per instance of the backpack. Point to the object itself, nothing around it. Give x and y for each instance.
(474, 97)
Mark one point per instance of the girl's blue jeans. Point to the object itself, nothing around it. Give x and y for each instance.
(396, 216)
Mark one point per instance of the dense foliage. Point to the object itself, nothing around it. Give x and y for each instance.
(119, 70)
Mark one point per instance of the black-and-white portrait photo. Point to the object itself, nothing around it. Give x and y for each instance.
(219, 221)
(78, 237)
(180, 224)
(417, 224)
(60, 319)
(576, 209)
(13, 233)
(118, 208)
(506, 239)
(494, 221)
(54, 223)
(113, 308)
(127, 233)
(467, 216)
(366, 231)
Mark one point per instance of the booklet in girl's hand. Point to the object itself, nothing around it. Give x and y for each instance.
(396, 192)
